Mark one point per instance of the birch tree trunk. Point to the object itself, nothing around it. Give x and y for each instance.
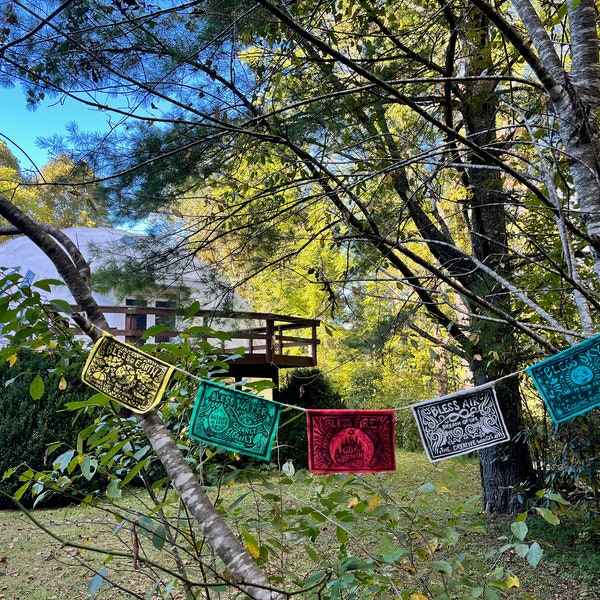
(241, 570)
(574, 94)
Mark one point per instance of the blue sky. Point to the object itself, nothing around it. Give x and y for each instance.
(23, 126)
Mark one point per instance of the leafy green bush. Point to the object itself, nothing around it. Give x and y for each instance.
(308, 388)
(573, 467)
(27, 425)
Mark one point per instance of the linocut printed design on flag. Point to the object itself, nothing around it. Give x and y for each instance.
(351, 441)
(234, 420)
(569, 382)
(126, 374)
(460, 423)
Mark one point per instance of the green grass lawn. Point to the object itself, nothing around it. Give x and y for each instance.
(296, 527)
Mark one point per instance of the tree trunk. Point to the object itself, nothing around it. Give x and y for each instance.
(241, 570)
(504, 467)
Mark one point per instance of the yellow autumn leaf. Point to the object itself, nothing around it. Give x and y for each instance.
(432, 546)
(374, 502)
(12, 359)
(418, 596)
(512, 581)
(62, 384)
(251, 543)
(353, 502)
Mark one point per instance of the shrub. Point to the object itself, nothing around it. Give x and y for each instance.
(573, 468)
(28, 426)
(308, 388)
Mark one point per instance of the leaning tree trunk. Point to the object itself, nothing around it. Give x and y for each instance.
(242, 571)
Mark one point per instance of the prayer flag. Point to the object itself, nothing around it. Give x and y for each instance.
(460, 423)
(126, 374)
(234, 420)
(351, 441)
(569, 382)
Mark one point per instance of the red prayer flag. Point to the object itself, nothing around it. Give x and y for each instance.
(351, 441)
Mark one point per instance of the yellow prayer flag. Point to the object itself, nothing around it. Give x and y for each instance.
(126, 374)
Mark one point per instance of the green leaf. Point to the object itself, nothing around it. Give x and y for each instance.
(19, 493)
(159, 537)
(63, 461)
(89, 467)
(154, 330)
(239, 500)
(535, 554)
(341, 534)
(37, 387)
(443, 566)
(192, 310)
(547, 515)
(97, 582)
(62, 306)
(312, 554)
(557, 497)
(315, 579)
(134, 471)
(386, 544)
(259, 386)
(519, 530)
(491, 594)
(521, 550)
(475, 527)
(39, 498)
(353, 563)
(142, 452)
(112, 491)
(45, 284)
(95, 400)
(53, 447)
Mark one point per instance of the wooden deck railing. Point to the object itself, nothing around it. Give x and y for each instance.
(269, 339)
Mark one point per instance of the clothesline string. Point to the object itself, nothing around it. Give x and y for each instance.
(300, 408)
(397, 409)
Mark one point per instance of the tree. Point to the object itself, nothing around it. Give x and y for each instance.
(54, 194)
(74, 271)
(425, 142)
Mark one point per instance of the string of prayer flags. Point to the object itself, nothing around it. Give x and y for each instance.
(126, 374)
(234, 420)
(569, 382)
(351, 441)
(460, 423)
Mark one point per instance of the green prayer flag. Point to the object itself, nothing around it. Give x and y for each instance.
(234, 420)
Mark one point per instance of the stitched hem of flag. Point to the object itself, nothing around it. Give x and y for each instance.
(125, 374)
(351, 441)
(460, 423)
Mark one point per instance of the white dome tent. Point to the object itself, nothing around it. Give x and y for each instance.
(105, 248)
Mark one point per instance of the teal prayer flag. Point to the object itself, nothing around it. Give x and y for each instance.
(569, 382)
(234, 420)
